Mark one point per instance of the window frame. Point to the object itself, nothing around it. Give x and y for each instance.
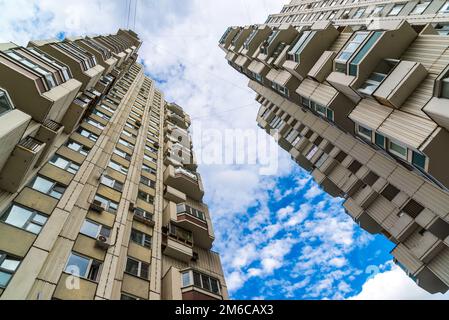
(30, 220)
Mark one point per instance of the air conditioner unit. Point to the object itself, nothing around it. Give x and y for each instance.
(195, 257)
(97, 206)
(345, 16)
(138, 123)
(156, 145)
(103, 242)
(132, 207)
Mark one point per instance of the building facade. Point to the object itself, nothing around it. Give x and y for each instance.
(358, 93)
(99, 194)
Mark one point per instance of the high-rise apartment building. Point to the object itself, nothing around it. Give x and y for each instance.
(358, 93)
(99, 194)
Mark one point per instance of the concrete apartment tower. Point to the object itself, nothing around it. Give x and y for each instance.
(99, 194)
(358, 92)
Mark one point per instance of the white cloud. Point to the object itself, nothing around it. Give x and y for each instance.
(394, 284)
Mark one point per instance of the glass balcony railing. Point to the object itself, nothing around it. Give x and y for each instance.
(5, 103)
(187, 173)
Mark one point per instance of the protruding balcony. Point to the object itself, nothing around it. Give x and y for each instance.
(102, 54)
(13, 124)
(74, 115)
(37, 83)
(191, 219)
(174, 195)
(177, 120)
(240, 37)
(177, 242)
(251, 44)
(185, 181)
(308, 48)
(361, 56)
(227, 37)
(82, 63)
(173, 107)
(21, 161)
(274, 45)
(48, 133)
(364, 220)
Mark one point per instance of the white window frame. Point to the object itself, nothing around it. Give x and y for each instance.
(404, 157)
(363, 135)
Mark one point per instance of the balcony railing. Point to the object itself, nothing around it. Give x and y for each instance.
(179, 234)
(52, 125)
(31, 144)
(185, 209)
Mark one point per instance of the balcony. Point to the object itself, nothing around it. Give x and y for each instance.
(327, 184)
(363, 219)
(74, 115)
(13, 124)
(20, 163)
(177, 243)
(177, 120)
(251, 44)
(185, 181)
(48, 133)
(191, 219)
(240, 37)
(173, 107)
(307, 49)
(82, 63)
(37, 84)
(227, 37)
(363, 54)
(102, 54)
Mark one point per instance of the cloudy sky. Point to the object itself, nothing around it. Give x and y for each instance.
(280, 236)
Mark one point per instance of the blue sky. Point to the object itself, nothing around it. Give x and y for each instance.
(279, 236)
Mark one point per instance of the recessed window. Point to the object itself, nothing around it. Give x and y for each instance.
(312, 152)
(370, 179)
(146, 181)
(376, 12)
(94, 230)
(421, 6)
(126, 143)
(365, 132)
(355, 166)
(396, 9)
(359, 13)
(111, 206)
(445, 83)
(87, 134)
(8, 266)
(413, 208)
(145, 197)
(140, 238)
(185, 209)
(128, 297)
(122, 154)
(83, 267)
(64, 164)
(137, 268)
(77, 147)
(24, 218)
(341, 156)
(112, 183)
(398, 149)
(95, 123)
(48, 187)
(5, 103)
(348, 51)
(118, 167)
(380, 140)
(148, 169)
(390, 192)
(419, 160)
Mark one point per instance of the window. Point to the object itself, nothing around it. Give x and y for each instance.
(355, 166)
(194, 278)
(8, 266)
(148, 169)
(101, 115)
(445, 85)
(95, 124)
(390, 192)
(128, 297)
(363, 52)
(146, 181)
(398, 149)
(341, 156)
(320, 109)
(419, 160)
(122, 154)
(182, 209)
(348, 51)
(445, 8)
(153, 150)
(330, 115)
(151, 159)
(89, 135)
(126, 143)
(421, 7)
(112, 183)
(413, 208)
(48, 187)
(380, 140)
(118, 167)
(364, 132)
(145, 197)
(64, 164)
(359, 13)
(137, 268)
(299, 46)
(372, 83)
(312, 152)
(370, 179)
(396, 9)
(5, 103)
(24, 218)
(77, 147)
(83, 267)
(111, 206)
(141, 238)
(94, 230)
(376, 12)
